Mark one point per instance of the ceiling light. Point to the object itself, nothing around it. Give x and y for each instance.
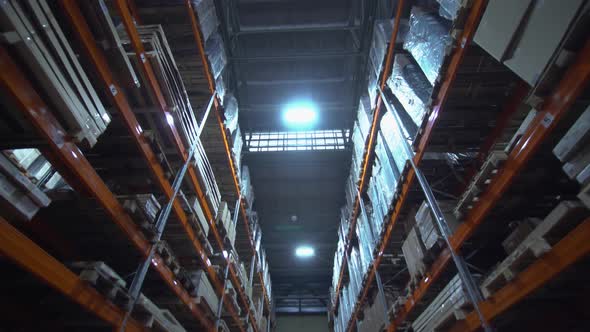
(300, 114)
(304, 251)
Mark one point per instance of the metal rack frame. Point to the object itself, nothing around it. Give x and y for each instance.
(557, 104)
(219, 115)
(130, 26)
(122, 106)
(78, 172)
(369, 150)
(28, 255)
(572, 248)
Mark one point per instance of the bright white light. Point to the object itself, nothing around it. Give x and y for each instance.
(169, 119)
(304, 251)
(300, 114)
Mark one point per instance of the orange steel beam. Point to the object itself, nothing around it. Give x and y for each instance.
(462, 43)
(128, 22)
(195, 25)
(28, 255)
(72, 164)
(122, 106)
(569, 250)
(516, 98)
(369, 148)
(553, 109)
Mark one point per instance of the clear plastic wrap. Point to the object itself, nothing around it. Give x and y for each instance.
(382, 31)
(428, 41)
(365, 115)
(205, 10)
(426, 225)
(358, 142)
(215, 51)
(230, 106)
(365, 236)
(411, 88)
(246, 186)
(372, 86)
(237, 146)
(414, 253)
(449, 9)
(389, 171)
(452, 297)
(392, 138)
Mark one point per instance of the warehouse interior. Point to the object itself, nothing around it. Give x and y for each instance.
(294, 165)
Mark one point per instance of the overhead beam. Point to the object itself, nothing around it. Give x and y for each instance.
(290, 29)
(308, 56)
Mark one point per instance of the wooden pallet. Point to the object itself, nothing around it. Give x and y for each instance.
(145, 223)
(151, 316)
(479, 183)
(565, 215)
(165, 252)
(104, 279)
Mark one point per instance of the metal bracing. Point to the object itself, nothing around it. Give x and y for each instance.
(28, 255)
(137, 284)
(78, 172)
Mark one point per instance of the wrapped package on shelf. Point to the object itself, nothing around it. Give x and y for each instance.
(19, 192)
(358, 141)
(350, 191)
(230, 107)
(382, 30)
(450, 304)
(374, 315)
(392, 137)
(372, 85)
(202, 290)
(365, 242)
(237, 146)
(207, 15)
(428, 41)
(221, 84)
(364, 116)
(345, 305)
(215, 51)
(414, 254)
(450, 9)
(247, 190)
(427, 226)
(56, 68)
(378, 213)
(207, 176)
(388, 171)
(410, 87)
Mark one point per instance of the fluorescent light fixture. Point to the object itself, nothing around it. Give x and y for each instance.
(300, 114)
(304, 251)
